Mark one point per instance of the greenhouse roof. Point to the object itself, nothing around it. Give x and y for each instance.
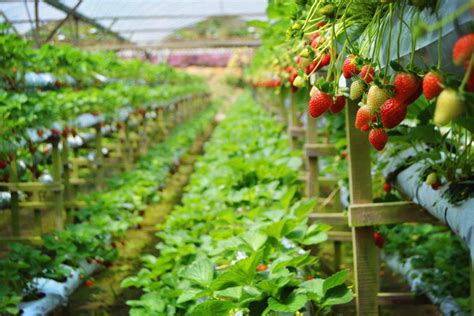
(140, 22)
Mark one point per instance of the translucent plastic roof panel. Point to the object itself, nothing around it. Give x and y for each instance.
(158, 18)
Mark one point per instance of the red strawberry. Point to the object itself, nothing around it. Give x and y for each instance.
(407, 87)
(367, 73)
(470, 81)
(3, 164)
(5, 177)
(55, 132)
(261, 268)
(365, 128)
(66, 132)
(325, 60)
(392, 113)
(387, 187)
(349, 67)
(73, 132)
(311, 67)
(89, 283)
(463, 49)
(32, 149)
(378, 138)
(319, 103)
(363, 117)
(309, 277)
(315, 41)
(435, 186)
(95, 113)
(432, 85)
(338, 105)
(40, 133)
(379, 239)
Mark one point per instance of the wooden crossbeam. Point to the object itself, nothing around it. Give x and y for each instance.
(396, 298)
(297, 131)
(339, 236)
(31, 186)
(333, 219)
(30, 239)
(371, 214)
(319, 150)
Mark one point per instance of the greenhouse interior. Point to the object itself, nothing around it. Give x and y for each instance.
(237, 158)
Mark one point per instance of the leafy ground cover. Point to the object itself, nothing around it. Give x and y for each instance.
(236, 244)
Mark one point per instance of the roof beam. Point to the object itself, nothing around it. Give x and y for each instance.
(58, 5)
(154, 17)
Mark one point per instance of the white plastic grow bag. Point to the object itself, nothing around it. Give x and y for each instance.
(447, 305)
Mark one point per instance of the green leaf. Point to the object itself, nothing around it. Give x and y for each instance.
(315, 239)
(288, 196)
(314, 286)
(241, 273)
(188, 295)
(293, 303)
(209, 307)
(254, 240)
(201, 272)
(466, 122)
(338, 295)
(303, 208)
(231, 292)
(335, 280)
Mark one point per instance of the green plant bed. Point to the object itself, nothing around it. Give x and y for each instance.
(237, 241)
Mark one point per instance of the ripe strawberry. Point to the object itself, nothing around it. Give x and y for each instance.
(363, 117)
(379, 239)
(311, 67)
(325, 60)
(448, 106)
(55, 132)
(309, 277)
(365, 128)
(292, 77)
(73, 132)
(435, 186)
(5, 177)
(367, 73)
(315, 41)
(349, 67)
(392, 113)
(470, 80)
(319, 103)
(3, 164)
(66, 132)
(463, 49)
(378, 138)
(376, 97)
(357, 90)
(40, 133)
(89, 283)
(261, 268)
(432, 85)
(407, 87)
(387, 187)
(95, 113)
(338, 105)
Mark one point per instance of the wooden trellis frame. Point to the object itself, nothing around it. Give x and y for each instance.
(65, 167)
(363, 213)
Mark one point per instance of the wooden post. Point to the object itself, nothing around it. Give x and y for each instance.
(99, 158)
(312, 187)
(292, 120)
(15, 200)
(57, 193)
(66, 176)
(366, 268)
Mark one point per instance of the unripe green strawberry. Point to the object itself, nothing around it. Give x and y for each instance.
(448, 106)
(376, 97)
(298, 82)
(357, 90)
(304, 53)
(432, 178)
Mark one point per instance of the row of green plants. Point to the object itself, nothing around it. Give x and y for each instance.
(237, 243)
(99, 228)
(132, 84)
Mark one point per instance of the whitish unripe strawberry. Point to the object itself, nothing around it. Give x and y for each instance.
(432, 178)
(376, 97)
(298, 82)
(356, 90)
(448, 106)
